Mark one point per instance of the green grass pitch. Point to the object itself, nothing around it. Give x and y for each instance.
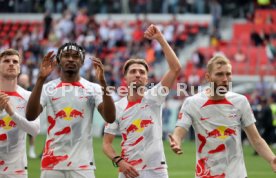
(179, 166)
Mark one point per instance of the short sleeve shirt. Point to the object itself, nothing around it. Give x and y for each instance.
(69, 108)
(217, 125)
(140, 125)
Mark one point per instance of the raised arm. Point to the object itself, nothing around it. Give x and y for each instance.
(110, 152)
(174, 66)
(33, 107)
(107, 107)
(260, 145)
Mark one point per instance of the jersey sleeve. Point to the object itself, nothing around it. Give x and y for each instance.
(112, 128)
(47, 89)
(184, 117)
(98, 95)
(247, 116)
(158, 93)
(31, 127)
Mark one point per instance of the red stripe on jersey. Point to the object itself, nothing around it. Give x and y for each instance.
(137, 141)
(213, 102)
(64, 131)
(84, 167)
(52, 123)
(130, 103)
(19, 171)
(203, 142)
(135, 162)
(220, 148)
(69, 163)
(76, 84)
(50, 161)
(12, 93)
(3, 137)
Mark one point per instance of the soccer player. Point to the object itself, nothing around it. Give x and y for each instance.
(139, 119)
(69, 102)
(13, 124)
(217, 116)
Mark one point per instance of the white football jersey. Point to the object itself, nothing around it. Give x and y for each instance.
(217, 125)
(140, 125)
(13, 159)
(69, 108)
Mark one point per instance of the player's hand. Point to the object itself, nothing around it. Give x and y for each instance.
(4, 98)
(152, 33)
(174, 145)
(99, 67)
(273, 164)
(128, 170)
(4, 103)
(47, 65)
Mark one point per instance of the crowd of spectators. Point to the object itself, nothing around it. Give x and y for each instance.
(107, 6)
(112, 41)
(234, 8)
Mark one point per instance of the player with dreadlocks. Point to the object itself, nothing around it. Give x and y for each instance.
(69, 102)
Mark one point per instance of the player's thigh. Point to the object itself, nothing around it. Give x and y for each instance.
(13, 176)
(81, 174)
(52, 174)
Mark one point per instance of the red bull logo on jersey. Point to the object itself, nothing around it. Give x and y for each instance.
(139, 125)
(69, 113)
(221, 132)
(7, 123)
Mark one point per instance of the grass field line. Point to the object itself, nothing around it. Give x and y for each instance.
(185, 173)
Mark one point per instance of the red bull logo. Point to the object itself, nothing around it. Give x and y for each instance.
(229, 132)
(7, 123)
(221, 132)
(69, 113)
(139, 125)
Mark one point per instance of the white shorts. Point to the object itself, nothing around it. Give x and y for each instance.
(160, 173)
(67, 174)
(14, 176)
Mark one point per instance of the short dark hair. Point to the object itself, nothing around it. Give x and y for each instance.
(134, 61)
(10, 52)
(68, 47)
